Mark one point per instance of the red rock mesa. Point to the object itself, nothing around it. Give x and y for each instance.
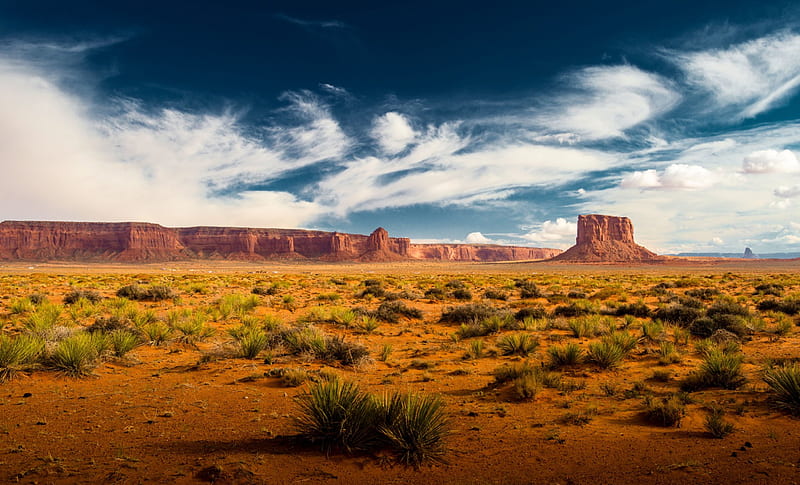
(605, 239)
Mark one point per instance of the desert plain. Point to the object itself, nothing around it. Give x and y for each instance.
(185, 404)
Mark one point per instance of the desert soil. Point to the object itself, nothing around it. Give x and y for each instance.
(181, 413)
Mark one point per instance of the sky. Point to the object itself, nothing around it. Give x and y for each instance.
(441, 121)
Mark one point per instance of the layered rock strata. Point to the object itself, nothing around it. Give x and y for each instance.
(605, 239)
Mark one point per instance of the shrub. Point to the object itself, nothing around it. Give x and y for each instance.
(784, 382)
(564, 355)
(537, 312)
(638, 309)
(372, 287)
(462, 294)
(156, 332)
(414, 426)
(76, 355)
(576, 309)
(715, 423)
(606, 354)
(435, 293)
(789, 306)
(250, 341)
(348, 353)
(495, 295)
(653, 331)
(151, 293)
(527, 386)
(475, 350)
(391, 311)
(667, 354)
(193, 329)
(718, 369)
(521, 344)
(704, 327)
(506, 372)
(123, 341)
(18, 354)
(625, 340)
(21, 305)
(76, 294)
(293, 377)
(486, 327)
(667, 411)
(336, 414)
(678, 314)
(470, 313)
(584, 327)
(773, 289)
(528, 289)
(703, 293)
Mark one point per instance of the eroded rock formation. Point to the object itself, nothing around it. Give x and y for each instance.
(605, 239)
(143, 242)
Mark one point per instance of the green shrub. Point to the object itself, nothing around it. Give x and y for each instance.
(638, 309)
(193, 329)
(475, 350)
(76, 355)
(625, 340)
(606, 354)
(123, 341)
(21, 305)
(76, 294)
(528, 289)
(718, 369)
(784, 382)
(435, 293)
(337, 415)
(653, 331)
(565, 355)
(470, 313)
(521, 344)
(576, 309)
(293, 377)
(414, 426)
(18, 354)
(773, 289)
(391, 311)
(667, 354)
(537, 312)
(462, 294)
(584, 327)
(250, 341)
(667, 411)
(151, 293)
(527, 386)
(789, 306)
(495, 295)
(715, 423)
(678, 314)
(156, 332)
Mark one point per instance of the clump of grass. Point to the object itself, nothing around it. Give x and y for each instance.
(667, 353)
(156, 333)
(21, 305)
(76, 294)
(565, 355)
(625, 340)
(606, 354)
(653, 331)
(577, 308)
(718, 369)
(521, 344)
(250, 341)
(385, 352)
(76, 355)
(527, 385)
(368, 324)
(485, 327)
(715, 423)
(146, 293)
(667, 411)
(293, 377)
(414, 426)
(471, 313)
(584, 327)
(495, 295)
(474, 350)
(18, 354)
(784, 383)
(123, 341)
(193, 329)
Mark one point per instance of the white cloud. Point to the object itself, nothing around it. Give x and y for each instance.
(393, 132)
(771, 161)
(787, 192)
(751, 77)
(560, 233)
(676, 176)
(610, 100)
(477, 238)
(717, 241)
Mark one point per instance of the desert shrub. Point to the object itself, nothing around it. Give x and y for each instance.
(329, 296)
(156, 332)
(337, 415)
(605, 354)
(625, 340)
(528, 289)
(653, 331)
(43, 320)
(470, 313)
(293, 377)
(150, 293)
(414, 426)
(391, 311)
(368, 324)
(521, 344)
(577, 308)
(509, 372)
(250, 341)
(305, 339)
(455, 285)
(667, 354)
(784, 383)
(76, 355)
(21, 305)
(576, 295)
(109, 324)
(495, 295)
(584, 327)
(537, 312)
(123, 341)
(726, 306)
(705, 327)
(789, 306)
(339, 349)
(462, 294)
(638, 309)
(18, 354)
(715, 423)
(76, 294)
(718, 369)
(527, 386)
(565, 355)
(475, 350)
(773, 289)
(372, 287)
(703, 293)
(435, 293)
(485, 327)
(193, 329)
(263, 291)
(677, 314)
(667, 411)
(37, 298)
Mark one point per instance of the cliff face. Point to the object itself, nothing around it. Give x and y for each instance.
(605, 239)
(143, 242)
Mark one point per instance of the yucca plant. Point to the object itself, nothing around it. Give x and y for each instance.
(123, 341)
(668, 411)
(606, 354)
(584, 327)
(527, 386)
(652, 331)
(21, 305)
(193, 329)
(718, 369)
(715, 423)
(564, 355)
(414, 426)
(156, 332)
(42, 321)
(521, 344)
(784, 382)
(667, 353)
(624, 339)
(336, 414)
(474, 350)
(18, 354)
(305, 339)
(250, 341)
(368, 324)
(76, 355)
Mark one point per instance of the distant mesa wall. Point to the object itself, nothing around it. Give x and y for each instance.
(604, 238)
(145, 242)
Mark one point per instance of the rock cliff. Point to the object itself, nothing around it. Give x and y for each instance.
(605, 239)
(143, 242)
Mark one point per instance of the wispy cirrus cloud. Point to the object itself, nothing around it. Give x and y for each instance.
(324, 24)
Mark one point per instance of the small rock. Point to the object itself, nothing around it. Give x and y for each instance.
(40, 423)
(734, 454)
(27, 394)
(748, 444)
(742, 449)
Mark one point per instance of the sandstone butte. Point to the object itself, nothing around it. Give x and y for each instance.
(145, 242)
(606, 239)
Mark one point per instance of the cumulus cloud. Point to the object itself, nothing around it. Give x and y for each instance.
(477, 238)
(750, 77)
(771, 161)
(787, 192)
(561, 232)
(393, 132)
(609, 101)
(677, 176)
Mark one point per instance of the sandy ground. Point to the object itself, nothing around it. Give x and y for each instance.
(165, 414)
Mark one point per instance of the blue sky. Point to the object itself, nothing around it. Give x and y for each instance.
(441, 121)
